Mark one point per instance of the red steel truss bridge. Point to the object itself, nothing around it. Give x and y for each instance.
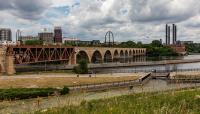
(25, 54)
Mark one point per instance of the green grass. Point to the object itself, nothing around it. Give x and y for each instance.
(178, 102)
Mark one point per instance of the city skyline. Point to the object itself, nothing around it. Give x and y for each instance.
(142, 20)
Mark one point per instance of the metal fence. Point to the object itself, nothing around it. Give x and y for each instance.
(107, 85)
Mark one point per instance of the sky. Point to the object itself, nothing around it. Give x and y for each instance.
(136, 20)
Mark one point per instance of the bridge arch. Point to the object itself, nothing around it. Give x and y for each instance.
(122, 56)
(137, 52)
(108, 56)
(133, 52)
(126, 56)
(97, 57)
(130, 53)
(82, 55)
(116, 56)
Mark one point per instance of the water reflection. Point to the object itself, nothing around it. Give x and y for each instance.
(141, 58)
(161, 68)
(147, 59)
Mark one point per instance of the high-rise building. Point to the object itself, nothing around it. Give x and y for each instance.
(5, 34)
(46, 37)
(58, 35)
(18, 35)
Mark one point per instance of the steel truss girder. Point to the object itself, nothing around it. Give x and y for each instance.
(35, 54)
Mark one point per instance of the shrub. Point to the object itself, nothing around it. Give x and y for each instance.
(82, 68)
(26, 93)
(64, 91)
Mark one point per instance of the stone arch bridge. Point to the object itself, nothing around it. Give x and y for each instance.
(105, 54)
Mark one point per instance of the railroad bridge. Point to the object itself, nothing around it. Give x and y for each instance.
(23, 54)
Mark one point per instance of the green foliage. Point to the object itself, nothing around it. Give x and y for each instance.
(26, 93)
(156, 43)
(153, 49)
(193, 48)
(33, 42)
(173, 102)
(82, 67)
(160, 51)
(127, 44)
(64, 91)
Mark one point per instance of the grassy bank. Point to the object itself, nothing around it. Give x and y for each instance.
(26, 93)
(179, 102)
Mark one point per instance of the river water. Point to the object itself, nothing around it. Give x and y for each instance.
(142, 59)
(167, 68)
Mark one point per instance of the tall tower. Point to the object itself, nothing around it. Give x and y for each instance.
(166, 34)
(58, 35)
(174, 34)
(169, 33)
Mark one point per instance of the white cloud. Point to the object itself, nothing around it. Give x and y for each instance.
(163, 10)
(57, 3)
(129, 19)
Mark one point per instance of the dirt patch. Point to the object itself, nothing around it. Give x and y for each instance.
(59, 80)
(185, 75)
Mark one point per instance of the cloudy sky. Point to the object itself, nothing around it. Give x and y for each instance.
(138, 20)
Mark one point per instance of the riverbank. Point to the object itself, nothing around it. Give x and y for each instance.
(173, 102)
(75, 99)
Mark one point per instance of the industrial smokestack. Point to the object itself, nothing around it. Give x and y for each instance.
(169, 31)
(166, 34)
(174, 34)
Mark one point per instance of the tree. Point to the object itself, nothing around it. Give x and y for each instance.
(127, 44)
(139, 44)
(156, 43)
(33, 42)
(82, 67)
